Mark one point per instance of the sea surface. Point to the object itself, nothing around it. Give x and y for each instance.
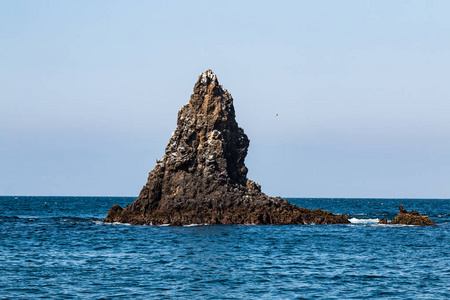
(58, 248)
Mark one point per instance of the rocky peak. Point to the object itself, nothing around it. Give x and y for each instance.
(207, 77)
(208, 139)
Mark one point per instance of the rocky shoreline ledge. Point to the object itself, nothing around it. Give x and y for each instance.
(202, 178)
(405, 217)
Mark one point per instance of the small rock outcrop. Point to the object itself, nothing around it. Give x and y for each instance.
(202, 178)
(408, 218)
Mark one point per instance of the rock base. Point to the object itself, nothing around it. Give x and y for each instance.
(270, 211)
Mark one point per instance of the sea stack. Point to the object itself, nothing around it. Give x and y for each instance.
(405, 217)
(202, 178)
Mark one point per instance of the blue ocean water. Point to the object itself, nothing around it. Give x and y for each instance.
(58, 248)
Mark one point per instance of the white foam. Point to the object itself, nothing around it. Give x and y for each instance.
(396, 225)
(193, 225)
(363, 221)
(118, 223)
(109, 223)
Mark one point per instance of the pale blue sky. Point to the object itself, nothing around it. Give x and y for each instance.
(90, 90)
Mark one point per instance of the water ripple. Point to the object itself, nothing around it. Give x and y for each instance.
(66, 252)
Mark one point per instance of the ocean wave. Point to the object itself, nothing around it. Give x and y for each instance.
(118, 223)
(195, 225)
(364, 221)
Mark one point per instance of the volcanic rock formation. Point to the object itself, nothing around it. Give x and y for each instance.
(202, 178)
(409, 218)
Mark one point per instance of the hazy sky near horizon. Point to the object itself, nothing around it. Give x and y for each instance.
(90, 90)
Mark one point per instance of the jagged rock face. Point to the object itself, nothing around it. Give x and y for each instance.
(202, 177)
(405, 217)
(205, 155)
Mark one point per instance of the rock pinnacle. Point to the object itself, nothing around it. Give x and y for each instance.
(202, 178)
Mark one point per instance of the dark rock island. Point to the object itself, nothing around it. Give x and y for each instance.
(202, 178)
(409, 218)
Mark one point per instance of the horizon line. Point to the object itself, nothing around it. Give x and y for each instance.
(290, 197)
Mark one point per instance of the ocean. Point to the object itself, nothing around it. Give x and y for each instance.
(58, 248)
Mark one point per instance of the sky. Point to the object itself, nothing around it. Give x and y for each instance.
(90, 91)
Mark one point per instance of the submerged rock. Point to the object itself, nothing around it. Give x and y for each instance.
(408, 218)
(202, 178)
